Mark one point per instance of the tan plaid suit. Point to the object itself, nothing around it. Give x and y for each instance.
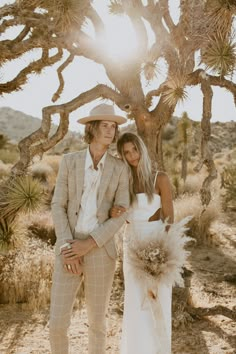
(99, 264)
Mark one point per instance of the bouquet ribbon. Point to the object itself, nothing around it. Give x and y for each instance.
(151, 300)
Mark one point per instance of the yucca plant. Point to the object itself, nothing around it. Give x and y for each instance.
(220, 55)
(219, 16)
(175, 90)
(22, 194)
(184, 127)
(150, 70)
(11, 234)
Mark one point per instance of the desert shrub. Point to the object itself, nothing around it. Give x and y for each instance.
(9, 155)
(41, 226)
(20, 195)
(176, 183)
(3, 140)
(228, 182)
(41, 171)
(25, 275)
(192, 184)
(5, 169)
(202, 219)
(12, 235)
(168, 132)
(53, 161)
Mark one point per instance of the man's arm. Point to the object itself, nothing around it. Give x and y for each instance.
(59, 205)
(104, 232)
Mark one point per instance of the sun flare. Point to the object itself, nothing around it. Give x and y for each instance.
(120, 40)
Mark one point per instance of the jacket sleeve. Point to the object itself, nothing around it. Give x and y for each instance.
(105, 231)
(59, 205)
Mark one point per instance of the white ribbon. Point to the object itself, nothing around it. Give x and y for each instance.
(151, 300)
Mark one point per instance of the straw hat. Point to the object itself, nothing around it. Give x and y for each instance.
(103, 112)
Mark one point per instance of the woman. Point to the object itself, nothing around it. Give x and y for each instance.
(146, 326)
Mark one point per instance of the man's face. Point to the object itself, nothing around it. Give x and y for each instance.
(106, 132)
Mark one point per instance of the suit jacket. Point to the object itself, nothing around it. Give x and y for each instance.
(113, 190)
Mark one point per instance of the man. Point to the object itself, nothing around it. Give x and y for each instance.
(89, 182)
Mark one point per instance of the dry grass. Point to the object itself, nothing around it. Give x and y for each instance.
(192, 184)
(9, 155)
(41, 171)
(12, 234)
(41, 226)
(4, 169)
(199, 226)
(53, 161)
(26, 275)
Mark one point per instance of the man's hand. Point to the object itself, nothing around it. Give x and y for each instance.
(78, 248)
(72, 266)
(116, 211)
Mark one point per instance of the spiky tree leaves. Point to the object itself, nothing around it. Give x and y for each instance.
(23, 194)
(220, 55)
(64, 15)
(12, 235)
(175, 90)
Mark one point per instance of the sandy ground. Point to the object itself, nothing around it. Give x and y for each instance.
(24, 332)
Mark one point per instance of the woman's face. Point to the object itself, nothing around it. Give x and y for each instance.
(131, 154)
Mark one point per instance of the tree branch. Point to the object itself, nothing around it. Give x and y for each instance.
(206, 154)
(164, 7)
(96, 21)
(39, 141)
(36, 66)
(67, 62)
(212, 311)
(153, 93)
(7, 10)
(134, 10)
(196, 77)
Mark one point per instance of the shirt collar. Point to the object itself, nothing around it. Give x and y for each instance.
(89, 160)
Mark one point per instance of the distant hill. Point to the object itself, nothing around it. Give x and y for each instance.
(16, 125)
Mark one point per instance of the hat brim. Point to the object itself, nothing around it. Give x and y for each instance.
(111, 118)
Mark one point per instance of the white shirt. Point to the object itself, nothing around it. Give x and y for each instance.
(87, 219)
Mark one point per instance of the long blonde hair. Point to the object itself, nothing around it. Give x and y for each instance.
(144, 172)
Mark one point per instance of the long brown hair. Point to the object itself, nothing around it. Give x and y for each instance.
(91, 129)
(144, 172)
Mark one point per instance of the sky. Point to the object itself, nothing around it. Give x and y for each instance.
(83, 74)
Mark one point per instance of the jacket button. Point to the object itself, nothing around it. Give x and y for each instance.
(76, 213)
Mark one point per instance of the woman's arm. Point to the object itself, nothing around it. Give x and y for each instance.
(163, 187)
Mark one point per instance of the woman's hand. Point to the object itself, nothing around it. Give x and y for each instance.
(117, 211)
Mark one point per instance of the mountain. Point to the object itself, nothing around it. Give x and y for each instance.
(16, 125)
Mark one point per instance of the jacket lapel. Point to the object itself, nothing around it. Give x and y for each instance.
(79, 177)
(105, 178)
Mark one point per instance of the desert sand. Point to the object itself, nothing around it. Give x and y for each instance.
(213, 283)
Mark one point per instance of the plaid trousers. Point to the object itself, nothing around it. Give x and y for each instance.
(98, 269)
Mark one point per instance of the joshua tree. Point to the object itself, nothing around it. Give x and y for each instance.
(198, 50)
(184, 126)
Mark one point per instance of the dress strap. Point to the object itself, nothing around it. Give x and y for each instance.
(155, 179)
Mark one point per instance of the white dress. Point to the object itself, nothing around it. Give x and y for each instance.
(144, 331)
